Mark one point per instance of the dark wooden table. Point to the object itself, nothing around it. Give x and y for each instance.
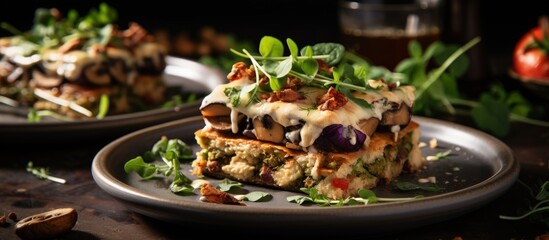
(100, 216)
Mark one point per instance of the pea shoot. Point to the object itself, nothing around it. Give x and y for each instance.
(539, 211)
(42, 173)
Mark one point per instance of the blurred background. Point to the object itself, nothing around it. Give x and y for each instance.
(184, 24)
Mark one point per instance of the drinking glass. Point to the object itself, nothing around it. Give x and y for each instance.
(380, 31)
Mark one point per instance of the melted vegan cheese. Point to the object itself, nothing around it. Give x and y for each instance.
(304, 111)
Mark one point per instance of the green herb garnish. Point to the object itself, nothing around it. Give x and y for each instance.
(303, 64)
(227, 185)
(42, 173)
(536, 212)
(103, 106)
(366, 196)
(172, 152)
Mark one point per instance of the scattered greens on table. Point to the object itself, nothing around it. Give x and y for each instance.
(42, 173)
(537, 212)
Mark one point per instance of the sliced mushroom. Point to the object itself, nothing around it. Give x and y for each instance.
(51, 60)
(72, 64)
(266, 129)
(220, 123)
(47, 225)
(218, 115)
(293, 136)
(249, 130)
(120, 62)
(401, 116)
(46, 81)
(150, 58)
(26, 62)
(118, 70)
(79, 66)
(368, 126)
(97, 73)
(215, 110)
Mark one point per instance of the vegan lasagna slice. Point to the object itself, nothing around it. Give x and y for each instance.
(306, 135)
(68, 69)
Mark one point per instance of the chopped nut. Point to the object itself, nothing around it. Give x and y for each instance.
(433, 143)
(431, 179)
(12, 216)
(47, 225)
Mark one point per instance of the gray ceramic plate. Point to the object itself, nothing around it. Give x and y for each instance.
(191, 76)
(479, 170)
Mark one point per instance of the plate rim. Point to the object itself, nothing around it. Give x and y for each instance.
(459, 200)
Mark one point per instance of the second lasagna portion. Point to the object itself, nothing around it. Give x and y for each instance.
(66, 64)
(289, 132)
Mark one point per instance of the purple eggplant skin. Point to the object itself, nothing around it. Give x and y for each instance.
(339, 138)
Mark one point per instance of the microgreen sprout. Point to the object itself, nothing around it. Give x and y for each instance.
(103, 106)
(42, 173)
(537, 211)
(439, 155)
(273, 64)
